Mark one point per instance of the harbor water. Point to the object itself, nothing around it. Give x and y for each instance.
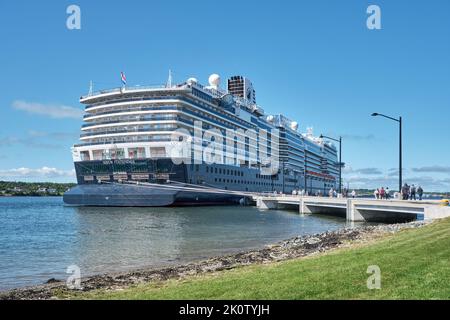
(40, 237)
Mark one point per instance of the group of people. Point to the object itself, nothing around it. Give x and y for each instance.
(407, 193)
(345, 193)
(382, 193)
(410, 192)
(332, 193)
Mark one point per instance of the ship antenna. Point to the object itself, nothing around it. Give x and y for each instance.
(91, 88)
(169, 80)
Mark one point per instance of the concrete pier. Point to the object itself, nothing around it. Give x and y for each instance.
(370, 210)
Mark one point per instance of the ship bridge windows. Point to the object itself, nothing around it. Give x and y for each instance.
(99, 154)
(136, 153)
(107, 154)
(118, 153)
(158, 152)
(85, 156)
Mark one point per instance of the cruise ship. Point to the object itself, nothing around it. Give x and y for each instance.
(192, 144)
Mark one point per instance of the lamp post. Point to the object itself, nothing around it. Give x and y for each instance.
(340, 158)
(399, 120)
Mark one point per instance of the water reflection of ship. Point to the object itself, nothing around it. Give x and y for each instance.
(113, 239)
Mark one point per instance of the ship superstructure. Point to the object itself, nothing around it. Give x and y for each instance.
(166, 145)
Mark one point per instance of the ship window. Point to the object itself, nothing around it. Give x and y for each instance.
(215, 170)
(117, 153)
(207, 169)
(85, 156)
(158, 152)
(136, 153)
(97, 154)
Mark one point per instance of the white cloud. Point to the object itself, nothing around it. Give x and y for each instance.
(44, 172)
(28, 142)
(370, 179)
(435, 168)
(367, 171)
(356, 137)
(52, 111)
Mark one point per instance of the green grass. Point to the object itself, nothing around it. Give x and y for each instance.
(415, 264)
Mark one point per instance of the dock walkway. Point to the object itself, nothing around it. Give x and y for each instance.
(357, 209)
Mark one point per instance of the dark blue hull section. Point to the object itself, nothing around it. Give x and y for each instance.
(99, 183)
(125, 195)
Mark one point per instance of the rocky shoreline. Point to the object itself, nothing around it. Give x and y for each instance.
(289, 249)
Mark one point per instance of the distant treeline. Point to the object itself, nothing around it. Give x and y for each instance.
(11, 188)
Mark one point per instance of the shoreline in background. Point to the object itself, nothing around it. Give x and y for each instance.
(293, 248)
(33, 189)
(52, 189)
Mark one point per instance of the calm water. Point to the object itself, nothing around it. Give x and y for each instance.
(40, 237)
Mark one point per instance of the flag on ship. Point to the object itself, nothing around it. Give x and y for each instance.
(123, 78)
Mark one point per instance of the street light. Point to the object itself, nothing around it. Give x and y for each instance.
(399, 120)
(340, 158)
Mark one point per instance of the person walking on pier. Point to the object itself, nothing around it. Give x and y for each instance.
(412, 193)
(388, 195)
(353, 194)
(420, 192)
(376, 193)
(382, 193)
(405, 192)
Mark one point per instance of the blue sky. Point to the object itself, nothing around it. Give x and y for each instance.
(314, 61)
